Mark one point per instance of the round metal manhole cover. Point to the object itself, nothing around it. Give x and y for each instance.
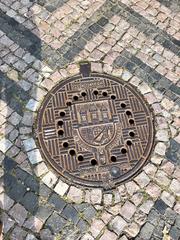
(95, 129)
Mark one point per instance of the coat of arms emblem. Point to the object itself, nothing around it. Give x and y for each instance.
(96, 127)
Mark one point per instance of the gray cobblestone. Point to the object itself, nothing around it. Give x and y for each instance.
(55, 223)
(19, 213)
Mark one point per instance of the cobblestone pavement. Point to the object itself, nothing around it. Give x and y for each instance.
(42, 42)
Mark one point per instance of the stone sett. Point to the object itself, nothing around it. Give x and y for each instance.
(34, 156)
(8, 222)
(174, 187)
(34, 224)
(117, 225)
(128, 210)
(108, 235)
(153, 190)
(87, 236)
(160, 149)
(142, 179)
(168, 198)
(107, 199)
(132, 229)
(19, 213)
(31, 237)
(140, 217)
(168, 168)
(162, 135)
(61, 188)
(46, 234)
(75, 194)
(161, 178)
(5, 144)
(147, 231)
(32, 105)
(117, 197)
(146, 206)
(29, 144)
(106, 217)
(156, 160)
(18, 233)
(15, 118)
(96, 196)
(114, 209)
(131, 187)
(176, 174)
(40, 169)
(5, 201)
(50, 179)
(96, 227)
(177, 207)
(137, 198)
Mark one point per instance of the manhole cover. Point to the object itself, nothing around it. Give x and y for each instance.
(95, 130)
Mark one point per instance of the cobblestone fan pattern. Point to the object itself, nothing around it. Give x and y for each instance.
(41, 43)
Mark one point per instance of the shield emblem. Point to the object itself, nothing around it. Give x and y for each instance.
(97, 135)
(95, 123)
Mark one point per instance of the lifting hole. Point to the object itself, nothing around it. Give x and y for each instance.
(105, 94)
(129, 143)
(80, 158)
(60, 123)
(95, 92)
(65, 144)
(72, 152)
(75, 98)
(62, 114)
(123, 105)
(83, 94)
(68, 103)
(128, 113)
(131, 134)
(113, 97)
(93, 162)
(113, 159)
(131, 121)
(60, 132)
(123, 150)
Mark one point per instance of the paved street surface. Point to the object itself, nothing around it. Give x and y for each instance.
(41, 43)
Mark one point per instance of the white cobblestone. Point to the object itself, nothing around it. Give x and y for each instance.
(32, 105)
(34, 156)
(160, 149)
(61, 188)
(50, 179)
(29, 144)
(75, 194)
(5, 144)
(117, 225)
(96, 196)
(174, 187)
(168, 198)
(40, 169)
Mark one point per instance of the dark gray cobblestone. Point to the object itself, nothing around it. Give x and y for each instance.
(149, 29)
(148, 74)
(173, 5)
(159, 217)
(18, 181)
(173, 152)
(50, 5)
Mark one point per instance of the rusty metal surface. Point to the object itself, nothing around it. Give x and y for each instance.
(95, 130)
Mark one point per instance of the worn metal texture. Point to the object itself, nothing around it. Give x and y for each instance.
(95, 129)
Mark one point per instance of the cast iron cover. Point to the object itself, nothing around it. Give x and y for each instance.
(95, 129)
